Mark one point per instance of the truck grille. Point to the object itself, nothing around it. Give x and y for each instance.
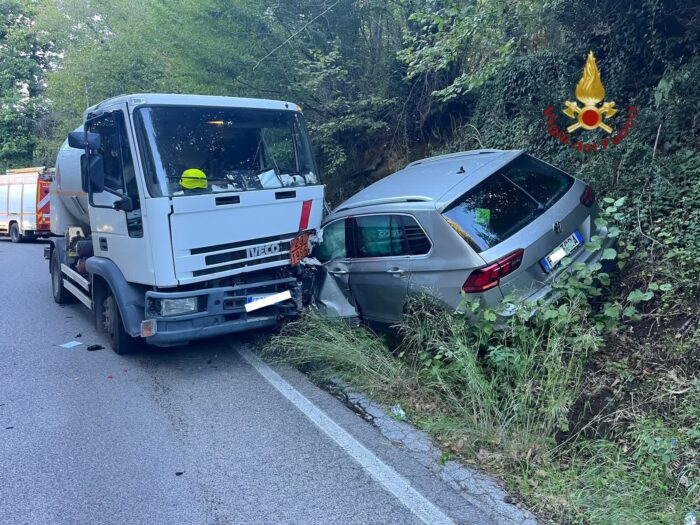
(245, 254)
(241, 244)
(236, 266)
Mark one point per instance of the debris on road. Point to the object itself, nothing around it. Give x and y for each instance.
(179, 472)
(93, 348)
(109, 377)
(71, 344)
(398, 412)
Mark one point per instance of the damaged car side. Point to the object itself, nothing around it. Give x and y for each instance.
(486, 223)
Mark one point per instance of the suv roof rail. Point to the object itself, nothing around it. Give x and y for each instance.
(454, 155)
(385, 200)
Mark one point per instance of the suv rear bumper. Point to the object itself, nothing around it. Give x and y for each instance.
(221, 311)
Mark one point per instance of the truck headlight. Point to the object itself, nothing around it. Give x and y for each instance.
(164, 307)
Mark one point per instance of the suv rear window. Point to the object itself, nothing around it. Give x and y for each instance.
(506, 202)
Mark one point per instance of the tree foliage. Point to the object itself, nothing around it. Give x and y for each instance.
(24, 57)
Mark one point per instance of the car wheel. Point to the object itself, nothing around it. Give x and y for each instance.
(60, 294)
(15, 235)
(121, 342)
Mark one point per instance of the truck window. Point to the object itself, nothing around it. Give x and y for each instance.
(120, 174)
(190, 150)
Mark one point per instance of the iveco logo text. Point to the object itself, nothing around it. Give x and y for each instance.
(262, 251)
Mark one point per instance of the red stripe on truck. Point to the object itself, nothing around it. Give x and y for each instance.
(305, 214)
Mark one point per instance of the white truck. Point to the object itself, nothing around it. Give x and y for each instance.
(24, 204)
(179, 217)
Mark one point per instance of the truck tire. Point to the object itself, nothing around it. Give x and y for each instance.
(15, 235)
(60, 294)
(121, 342)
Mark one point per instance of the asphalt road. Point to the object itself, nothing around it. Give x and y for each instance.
(182, 435)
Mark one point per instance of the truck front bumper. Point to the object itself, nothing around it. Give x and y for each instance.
(220, 311)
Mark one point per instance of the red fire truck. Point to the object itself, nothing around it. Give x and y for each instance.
(24, 204)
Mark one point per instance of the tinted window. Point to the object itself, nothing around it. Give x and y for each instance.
(418, 242)
(380, 236)
(543, 182)
(333, 245)
(506, 202)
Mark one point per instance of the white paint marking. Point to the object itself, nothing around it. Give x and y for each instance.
(268, 301)
(43, 202)
(386, 476)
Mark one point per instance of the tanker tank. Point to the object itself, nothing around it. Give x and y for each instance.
(69, 205)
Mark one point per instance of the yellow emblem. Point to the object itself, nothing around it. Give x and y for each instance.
(590, 91)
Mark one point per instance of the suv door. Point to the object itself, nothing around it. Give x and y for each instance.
(333, 290)
(380, 265)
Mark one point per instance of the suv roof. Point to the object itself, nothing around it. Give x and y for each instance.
(435, 179)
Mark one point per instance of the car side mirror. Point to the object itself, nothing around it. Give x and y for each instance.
(84, 140)
(96, 173)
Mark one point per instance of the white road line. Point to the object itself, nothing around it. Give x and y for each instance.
(386, 476)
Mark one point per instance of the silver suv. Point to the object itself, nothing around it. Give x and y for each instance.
(488, 223)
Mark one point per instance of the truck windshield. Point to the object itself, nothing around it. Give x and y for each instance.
(191, 150)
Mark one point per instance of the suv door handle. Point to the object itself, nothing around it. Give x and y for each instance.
(338, 271)
(395, 271)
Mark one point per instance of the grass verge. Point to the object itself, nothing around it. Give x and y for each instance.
(586, 431)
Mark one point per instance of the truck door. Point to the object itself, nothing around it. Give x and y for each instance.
(115, 213)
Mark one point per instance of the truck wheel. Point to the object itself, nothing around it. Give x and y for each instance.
(60, 294)
(15, 235)
(122, 343)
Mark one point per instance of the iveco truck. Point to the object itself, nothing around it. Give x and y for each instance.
(179, 217)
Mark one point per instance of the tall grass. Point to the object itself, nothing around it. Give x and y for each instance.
(337, 349)
(501, 390)
(517, 380)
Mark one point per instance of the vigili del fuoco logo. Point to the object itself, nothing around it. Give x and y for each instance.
(592, 114)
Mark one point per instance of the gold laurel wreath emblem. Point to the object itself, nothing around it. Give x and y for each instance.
(590, 91)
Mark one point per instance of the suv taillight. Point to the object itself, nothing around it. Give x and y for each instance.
(485, 278)
(588, 197)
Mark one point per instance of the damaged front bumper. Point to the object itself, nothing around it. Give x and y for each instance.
(219, 311)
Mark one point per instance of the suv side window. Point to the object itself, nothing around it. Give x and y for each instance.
(418, 242)
(380, 236)
(333, 245)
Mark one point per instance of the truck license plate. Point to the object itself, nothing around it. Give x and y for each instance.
(253, 298)
(299, 248)
(567, 247)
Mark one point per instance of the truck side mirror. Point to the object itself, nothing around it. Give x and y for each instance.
(84, 139)
(124, 204)
(83, 172)
(96, 173)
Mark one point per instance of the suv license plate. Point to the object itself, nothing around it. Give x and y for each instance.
(567, 247)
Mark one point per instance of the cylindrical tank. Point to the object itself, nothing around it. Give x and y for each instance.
(69, 204)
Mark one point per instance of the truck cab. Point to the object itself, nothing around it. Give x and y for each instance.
(182, 216)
